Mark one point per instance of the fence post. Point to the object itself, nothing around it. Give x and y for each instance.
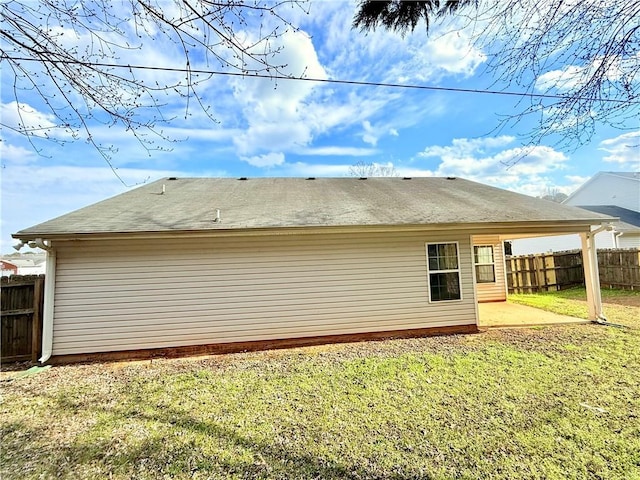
(36, 325)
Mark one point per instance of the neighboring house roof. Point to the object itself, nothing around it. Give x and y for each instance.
(633, 175)
(25, 262)
(189, 204)
(8, 265)
(629, 219)
(625, 176)
(29, 264)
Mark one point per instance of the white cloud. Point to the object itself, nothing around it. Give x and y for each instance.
(446, 51)
(369, 135)
(267, 160)
(22, 116)
(453, 53)
(277, 112)
(466, 146)
(337, 151)
(302, 169)
(12, 154)
(260, 116)
(372, 133)
(492, 161)
(563, 80)
(575, 181)
(570, 77)
(623, 150)
(563, 121)
(288, 116)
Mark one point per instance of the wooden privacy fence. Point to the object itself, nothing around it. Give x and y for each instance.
(21, 317)
(544, 272)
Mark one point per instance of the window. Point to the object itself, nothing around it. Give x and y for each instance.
(485, 266)
(443, 267)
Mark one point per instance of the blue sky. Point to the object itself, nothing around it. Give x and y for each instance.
(287, 128)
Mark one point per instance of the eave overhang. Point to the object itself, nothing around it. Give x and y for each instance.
(563, 227)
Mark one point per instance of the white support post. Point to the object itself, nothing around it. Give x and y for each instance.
(591, 275)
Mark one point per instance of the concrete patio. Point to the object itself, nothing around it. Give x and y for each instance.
(504, 314)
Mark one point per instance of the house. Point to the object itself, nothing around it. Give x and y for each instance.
(625, 232)
(8, 268)
(221, 264)
(612, 193)
(621, 189)
(29, 264)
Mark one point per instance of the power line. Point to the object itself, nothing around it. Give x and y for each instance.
(319, 80)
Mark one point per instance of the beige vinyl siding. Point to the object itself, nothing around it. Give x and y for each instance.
(492, 292)
(629, 241)
(134, 294)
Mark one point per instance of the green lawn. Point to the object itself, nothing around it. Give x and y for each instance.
(573, 302)
(544, 403)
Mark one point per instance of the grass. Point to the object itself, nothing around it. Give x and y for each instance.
(572, 302)
(552, 403)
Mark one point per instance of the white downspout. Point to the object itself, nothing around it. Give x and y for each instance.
(616, 238)
(49, 291)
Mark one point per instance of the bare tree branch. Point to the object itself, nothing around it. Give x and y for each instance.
(365, 170)
(56, 50)
(584, 51)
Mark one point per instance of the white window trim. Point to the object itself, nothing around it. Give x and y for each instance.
(493, 264)
(458, 271)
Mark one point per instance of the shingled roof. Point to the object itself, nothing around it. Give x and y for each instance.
(190, 204)
(629, 219)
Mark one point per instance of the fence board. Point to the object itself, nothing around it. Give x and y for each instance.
(618, 268)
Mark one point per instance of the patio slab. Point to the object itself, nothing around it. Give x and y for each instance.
(504, 314)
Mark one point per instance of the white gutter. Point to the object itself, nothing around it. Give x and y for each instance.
(49, 291)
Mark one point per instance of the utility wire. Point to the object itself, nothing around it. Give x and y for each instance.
(320, 80)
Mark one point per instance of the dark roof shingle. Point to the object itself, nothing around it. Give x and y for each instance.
(629, 219)
(190, 204)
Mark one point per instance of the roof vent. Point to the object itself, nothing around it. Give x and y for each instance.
(242, 178)
(311, 178)
(172, 178)
(451, 178)
(406, 178)
(362, 178)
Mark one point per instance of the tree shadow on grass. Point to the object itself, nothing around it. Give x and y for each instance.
(243, 456)
(176, 445)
